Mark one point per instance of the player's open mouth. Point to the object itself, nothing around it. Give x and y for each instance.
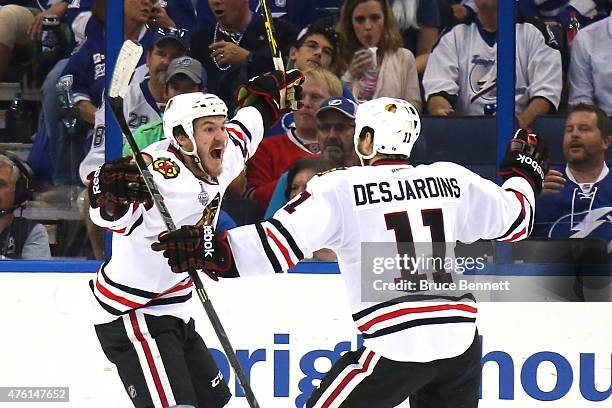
(216, 153)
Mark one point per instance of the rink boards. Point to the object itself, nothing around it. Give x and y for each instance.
(286, 330)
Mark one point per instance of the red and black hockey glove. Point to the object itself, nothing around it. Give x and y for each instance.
(193, 247)
(116, 184)
(527, 157)
(263, 93)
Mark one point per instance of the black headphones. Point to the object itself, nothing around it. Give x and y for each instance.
(23, 186)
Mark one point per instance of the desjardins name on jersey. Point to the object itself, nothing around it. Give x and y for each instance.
(400, 190)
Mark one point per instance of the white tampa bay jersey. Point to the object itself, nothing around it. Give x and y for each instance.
(136, 277)
(139, 106)
(346, 208)
(464, 62)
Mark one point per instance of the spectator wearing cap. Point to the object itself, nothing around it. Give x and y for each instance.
(277, 153)
(336, 127)
(235, 48)
(144, 101)
(184, 75)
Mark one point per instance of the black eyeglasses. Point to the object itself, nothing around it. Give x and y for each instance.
(338, 127)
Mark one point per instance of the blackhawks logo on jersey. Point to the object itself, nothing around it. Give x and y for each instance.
(166, 167)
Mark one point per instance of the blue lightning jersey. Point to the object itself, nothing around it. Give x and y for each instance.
(580, 210)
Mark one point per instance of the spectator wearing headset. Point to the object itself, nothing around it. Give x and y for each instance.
(20, 238)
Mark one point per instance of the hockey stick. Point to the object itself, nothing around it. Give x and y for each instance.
(127, 60)
(275, 50)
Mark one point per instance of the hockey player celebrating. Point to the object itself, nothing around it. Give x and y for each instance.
(418, 345)
(141, 317)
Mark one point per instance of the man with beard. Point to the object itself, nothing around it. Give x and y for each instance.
(145, 100)
(576, 200)
(141, 312)
(336, 126)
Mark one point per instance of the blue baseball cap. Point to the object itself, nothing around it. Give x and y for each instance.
(339, 103)
(170, 33)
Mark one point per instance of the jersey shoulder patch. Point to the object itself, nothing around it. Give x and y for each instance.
(166, 167)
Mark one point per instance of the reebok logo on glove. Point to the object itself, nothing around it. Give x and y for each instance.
(530, 162)
(96, 181)
(207, 236)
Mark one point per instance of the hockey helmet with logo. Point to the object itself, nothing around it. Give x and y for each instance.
(394, 124)
(182, 110)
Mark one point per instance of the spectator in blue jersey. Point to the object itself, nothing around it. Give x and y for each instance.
(235, 48)
(576, 201)
(85, 70)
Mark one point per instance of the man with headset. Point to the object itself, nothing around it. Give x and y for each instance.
(20, 238)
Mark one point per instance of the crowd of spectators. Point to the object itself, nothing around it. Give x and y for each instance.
(439, 55)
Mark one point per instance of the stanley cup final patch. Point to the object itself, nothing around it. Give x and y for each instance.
(166, 167)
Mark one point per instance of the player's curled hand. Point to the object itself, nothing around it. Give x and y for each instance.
(527, 157)
(197, 247)
(263, 92)
(116, 184)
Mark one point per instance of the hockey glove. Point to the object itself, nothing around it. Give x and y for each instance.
(527, 157)
(193, 247)
(116, 184)
(263, 92)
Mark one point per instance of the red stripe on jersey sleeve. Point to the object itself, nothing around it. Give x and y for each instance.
(236, 133)
(516, 236)
(282, 248)
(524, 230)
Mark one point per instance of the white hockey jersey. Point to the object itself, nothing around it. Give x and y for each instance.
(139, 106)
(136, 277)
(346, 208)
(465, 61)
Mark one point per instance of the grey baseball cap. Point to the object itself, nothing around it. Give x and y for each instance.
(187, 66)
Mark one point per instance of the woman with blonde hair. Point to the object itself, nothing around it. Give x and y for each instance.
(372, 55)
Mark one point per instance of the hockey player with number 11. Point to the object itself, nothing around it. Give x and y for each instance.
(418, 345)
(141, 315)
